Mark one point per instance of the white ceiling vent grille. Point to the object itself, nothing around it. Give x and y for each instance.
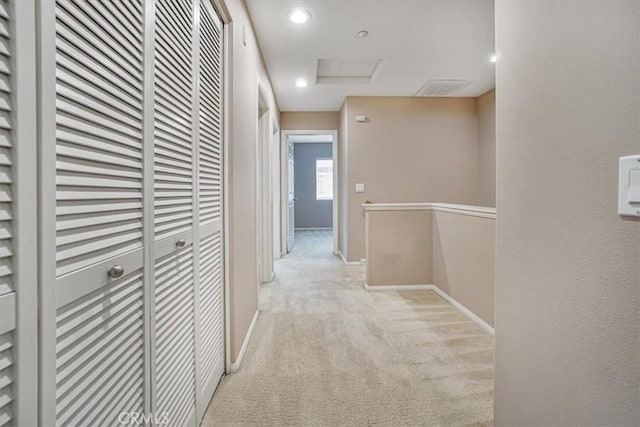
(347, 71)
(441, 87)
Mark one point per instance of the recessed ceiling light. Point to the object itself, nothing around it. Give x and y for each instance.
(301, 82)
(494, 58)
(299, 16)
(363, 33)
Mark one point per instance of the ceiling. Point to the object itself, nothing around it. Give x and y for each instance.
(414, 41)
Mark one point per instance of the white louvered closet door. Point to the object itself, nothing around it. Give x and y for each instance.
(174, 200)
(98, 321)
(210, 289)
(131, 175)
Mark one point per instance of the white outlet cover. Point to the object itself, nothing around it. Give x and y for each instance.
(359, 188)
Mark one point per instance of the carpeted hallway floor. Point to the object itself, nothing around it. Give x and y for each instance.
(325, 352)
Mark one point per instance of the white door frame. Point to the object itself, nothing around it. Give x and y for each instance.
(264, 193)
(275, 186)
(284, 135)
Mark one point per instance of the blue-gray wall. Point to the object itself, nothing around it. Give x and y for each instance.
(310, 213)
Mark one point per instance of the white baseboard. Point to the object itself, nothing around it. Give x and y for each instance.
(345, 262)
(398, 287)
(471, 315)
(235, 367)
(464, 310)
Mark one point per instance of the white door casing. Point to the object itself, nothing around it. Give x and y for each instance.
(266, 195)
(291, 195)
(276, 189)
(287, 184)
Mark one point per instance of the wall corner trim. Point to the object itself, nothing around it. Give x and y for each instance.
(345, 262)
(418, 287)
(235, 366)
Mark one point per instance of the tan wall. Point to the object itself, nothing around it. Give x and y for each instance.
(247, 63)
(410, 150)
(343, 201)
(310, 120)
(568, 266)
(486, 111)
(399, 248)
(464, 261)
(453, 251)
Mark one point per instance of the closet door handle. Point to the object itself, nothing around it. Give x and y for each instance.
(116, 271)
(181, 243)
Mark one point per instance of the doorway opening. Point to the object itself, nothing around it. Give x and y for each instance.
(309, 187)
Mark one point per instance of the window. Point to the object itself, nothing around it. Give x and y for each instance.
(324, 179)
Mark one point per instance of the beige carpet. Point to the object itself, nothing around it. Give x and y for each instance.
(325, 352)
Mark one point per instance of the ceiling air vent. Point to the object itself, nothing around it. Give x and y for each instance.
(441, 87)
(347, 71)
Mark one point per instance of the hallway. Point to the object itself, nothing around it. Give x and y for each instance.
(327, 352)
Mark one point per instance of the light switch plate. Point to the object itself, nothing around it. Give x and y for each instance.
(629, 186)
(359, 188)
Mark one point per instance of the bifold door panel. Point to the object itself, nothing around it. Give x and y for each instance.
(132, 143)
(99, 212)
(174, 118)
(175, 338)
(7, 286)
(210, 288)
(211, 307)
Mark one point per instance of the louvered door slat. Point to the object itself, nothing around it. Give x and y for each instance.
(174, 337)
(99, 133)
(7, 252)
(77, 63)
(211, 305)
(99, 38)
(6, 378)
(210, 112)
(115, 22)
(6, 160)
(99, 348)
(173, 119)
